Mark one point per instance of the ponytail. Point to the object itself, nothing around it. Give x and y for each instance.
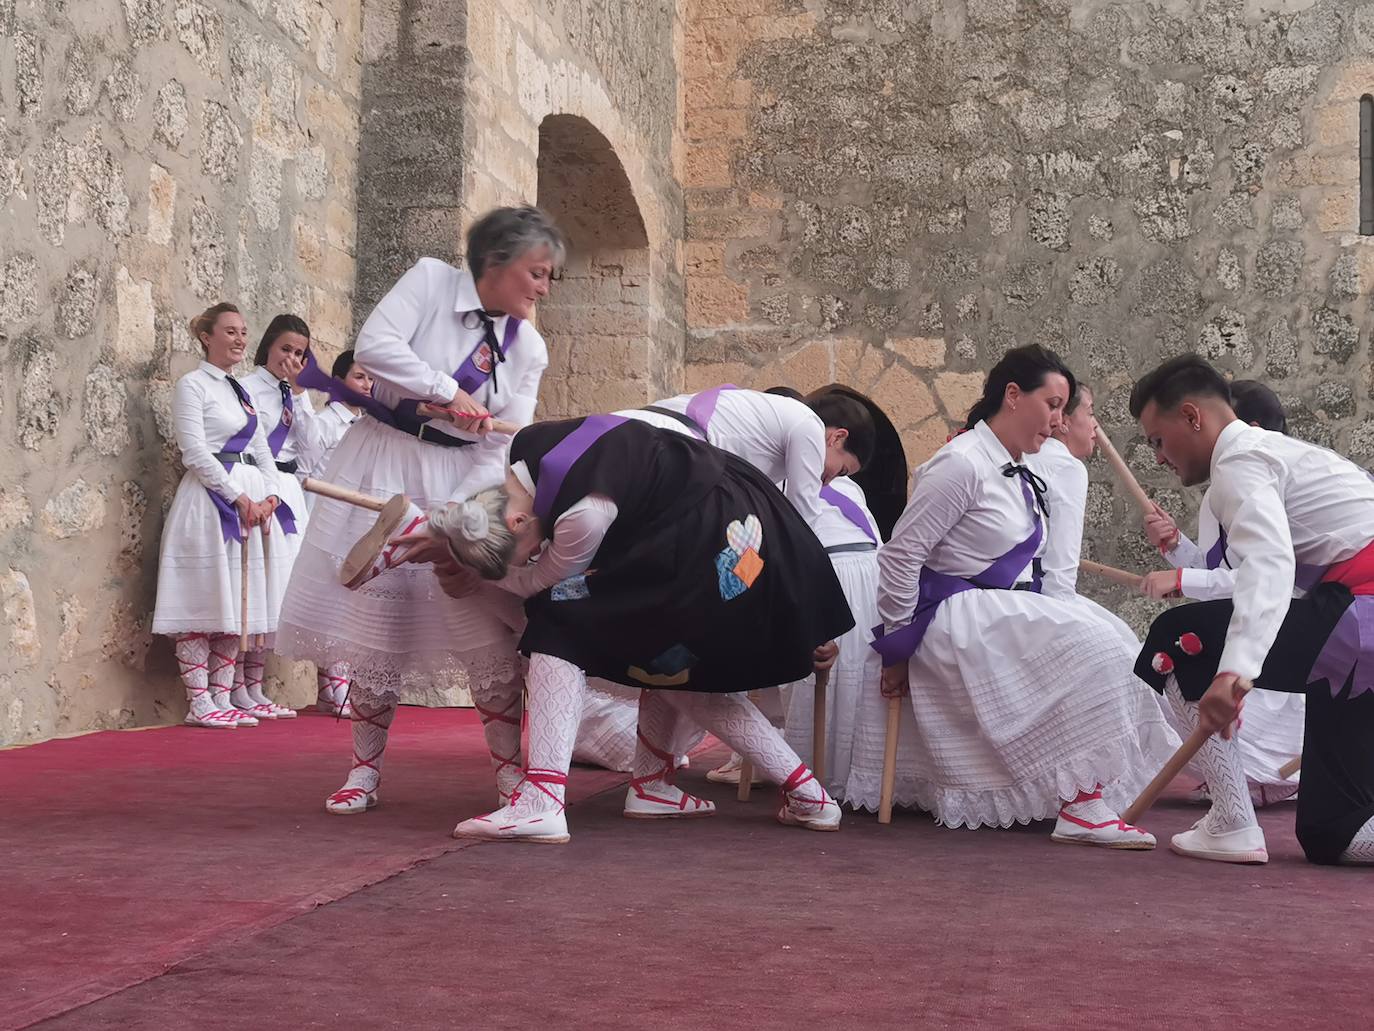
(1027, 367)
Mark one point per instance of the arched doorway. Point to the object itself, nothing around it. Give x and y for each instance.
(597, 319)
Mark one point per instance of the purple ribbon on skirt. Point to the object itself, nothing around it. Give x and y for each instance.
(934, 587)
(850, 510)
(1349, 649)
(555, 465)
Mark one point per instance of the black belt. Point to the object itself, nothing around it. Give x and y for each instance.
(840, 549)
(235, 456)
(686, 420)
(289, 467)
(430, 435)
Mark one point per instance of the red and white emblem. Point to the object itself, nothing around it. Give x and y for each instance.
(482, 358)
(287, 418)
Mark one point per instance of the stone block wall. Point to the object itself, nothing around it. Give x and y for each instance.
(156, 156)
(894, 192)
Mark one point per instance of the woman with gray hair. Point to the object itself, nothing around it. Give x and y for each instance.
(460, 341)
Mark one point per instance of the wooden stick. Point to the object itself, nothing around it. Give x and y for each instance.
(1123, 472)
(243, 591)
(1120, 576)
(894, 726)
(429, 411)
(818, 742)
(1290, 767)
(746, 780)
(1172, 769)
(259, 639)
(351, 497)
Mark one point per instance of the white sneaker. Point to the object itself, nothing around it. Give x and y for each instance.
(1245, 845)
(506, 824)
(348, 801)
(1092, 822)
(728, 772)
(656, 800)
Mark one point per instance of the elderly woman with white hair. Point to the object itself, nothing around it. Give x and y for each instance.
(460, 341)
(667, 565)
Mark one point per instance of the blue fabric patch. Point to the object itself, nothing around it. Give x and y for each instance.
(574, 588)
(731, 586)
(674, 660)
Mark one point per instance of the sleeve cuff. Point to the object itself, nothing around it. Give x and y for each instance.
(446, 387)
(1239, 658)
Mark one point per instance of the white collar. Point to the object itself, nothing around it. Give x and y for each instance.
(1226, 440)
(994, 447)
(522, 473)
(213, 370)
(465, 297)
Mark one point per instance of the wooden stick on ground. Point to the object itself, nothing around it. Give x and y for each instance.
(894, 726)
(1172, 769)
(1120, 576)
(818, 740)
(243, 590)
(746, 768)
(1123, 472)
(1290, 767)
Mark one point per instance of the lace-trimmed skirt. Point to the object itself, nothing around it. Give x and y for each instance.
(399, 632)
(1018, 701)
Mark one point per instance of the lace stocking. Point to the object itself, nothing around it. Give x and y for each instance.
(655, 762)
(193, 656)
(501, 709)
(370, 725)
(1220, 764)
(557, 688)
(253, 668)
(1360, 851)
(333, 683)
(224, 651)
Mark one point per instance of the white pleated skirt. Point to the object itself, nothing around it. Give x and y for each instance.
(1018, 701)
(199, 572)
(290, 492)
(400, 631)
(856, 674)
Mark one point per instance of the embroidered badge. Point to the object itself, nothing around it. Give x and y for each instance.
(482, 358)
(574, 588)
(286, 417)
(739, 565)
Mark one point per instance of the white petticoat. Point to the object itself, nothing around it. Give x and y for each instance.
(290, 492)
(399, 631)
(198, 576)
(1019, 702)
(608, 735)
(856, 673)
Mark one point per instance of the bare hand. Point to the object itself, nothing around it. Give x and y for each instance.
(1160, 584)
(464, 409)
(457, 581)
(824, 657)
(1161, 529)
(896, 681)
(1221, 706)
(244, 505)
(420, 548)
(291, 366)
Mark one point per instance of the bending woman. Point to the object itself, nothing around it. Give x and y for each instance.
(671, 566)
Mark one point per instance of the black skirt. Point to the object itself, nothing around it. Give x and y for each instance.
(731, 593)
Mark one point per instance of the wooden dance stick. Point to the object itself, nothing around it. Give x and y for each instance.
(1172, 769)
(1123, 472)
(434, 412)
(391, 512)
(894, 726)
(1119, 576)
(260, 639)
(818, 726)
(350, 497)
(243, 591)
(1290, 767)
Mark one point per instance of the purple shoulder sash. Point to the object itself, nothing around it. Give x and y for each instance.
(558, 462)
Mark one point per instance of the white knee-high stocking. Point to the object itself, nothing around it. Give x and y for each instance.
(1219, 762)
(556, 690)
(501, 708)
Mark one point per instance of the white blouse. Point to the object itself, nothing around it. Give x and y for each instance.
(963, 515)
(1282, 502)
(302, 438)
(833, 526)
(1197, 581)
(1066, 480)
(206, 413)
(332, 422)
(423, 330)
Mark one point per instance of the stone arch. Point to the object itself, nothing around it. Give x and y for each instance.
(598, 320)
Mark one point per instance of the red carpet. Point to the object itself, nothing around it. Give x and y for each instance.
(123, 853)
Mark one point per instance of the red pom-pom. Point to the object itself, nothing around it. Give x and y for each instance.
(1162, 664)
(1190, 644)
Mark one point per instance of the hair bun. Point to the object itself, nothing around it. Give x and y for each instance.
(473, 523)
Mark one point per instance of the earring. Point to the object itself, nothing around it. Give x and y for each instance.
(1197, 426)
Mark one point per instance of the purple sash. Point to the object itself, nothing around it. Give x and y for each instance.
(277, 438)
(703, 405)
(850, 510)
(1349, 649)
(479, 365)
(555, 465)
(934, 587)
(1216, 554)
(228, 514)
(315, 378)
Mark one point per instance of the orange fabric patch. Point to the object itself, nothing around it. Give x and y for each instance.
(749, 566)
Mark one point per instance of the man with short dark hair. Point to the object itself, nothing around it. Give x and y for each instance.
(1289, 514)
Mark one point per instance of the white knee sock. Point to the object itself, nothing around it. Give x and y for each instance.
(1220, 763)
(254, 666)
(1360, 851)
(655, 762)
(371, 723)
(556, 689)
(332, 683)
(224, 653)
(193, 657)
(501, 708)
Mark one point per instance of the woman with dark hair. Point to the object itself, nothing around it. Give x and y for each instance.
(1025, 707)
(459, 341)
(230, 487)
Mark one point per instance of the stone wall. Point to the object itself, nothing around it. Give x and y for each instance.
(156, 156)
(894, 192)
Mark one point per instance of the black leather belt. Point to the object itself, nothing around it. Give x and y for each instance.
(840, 549)
(289, 467)
(430, 435)
(231, 457)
